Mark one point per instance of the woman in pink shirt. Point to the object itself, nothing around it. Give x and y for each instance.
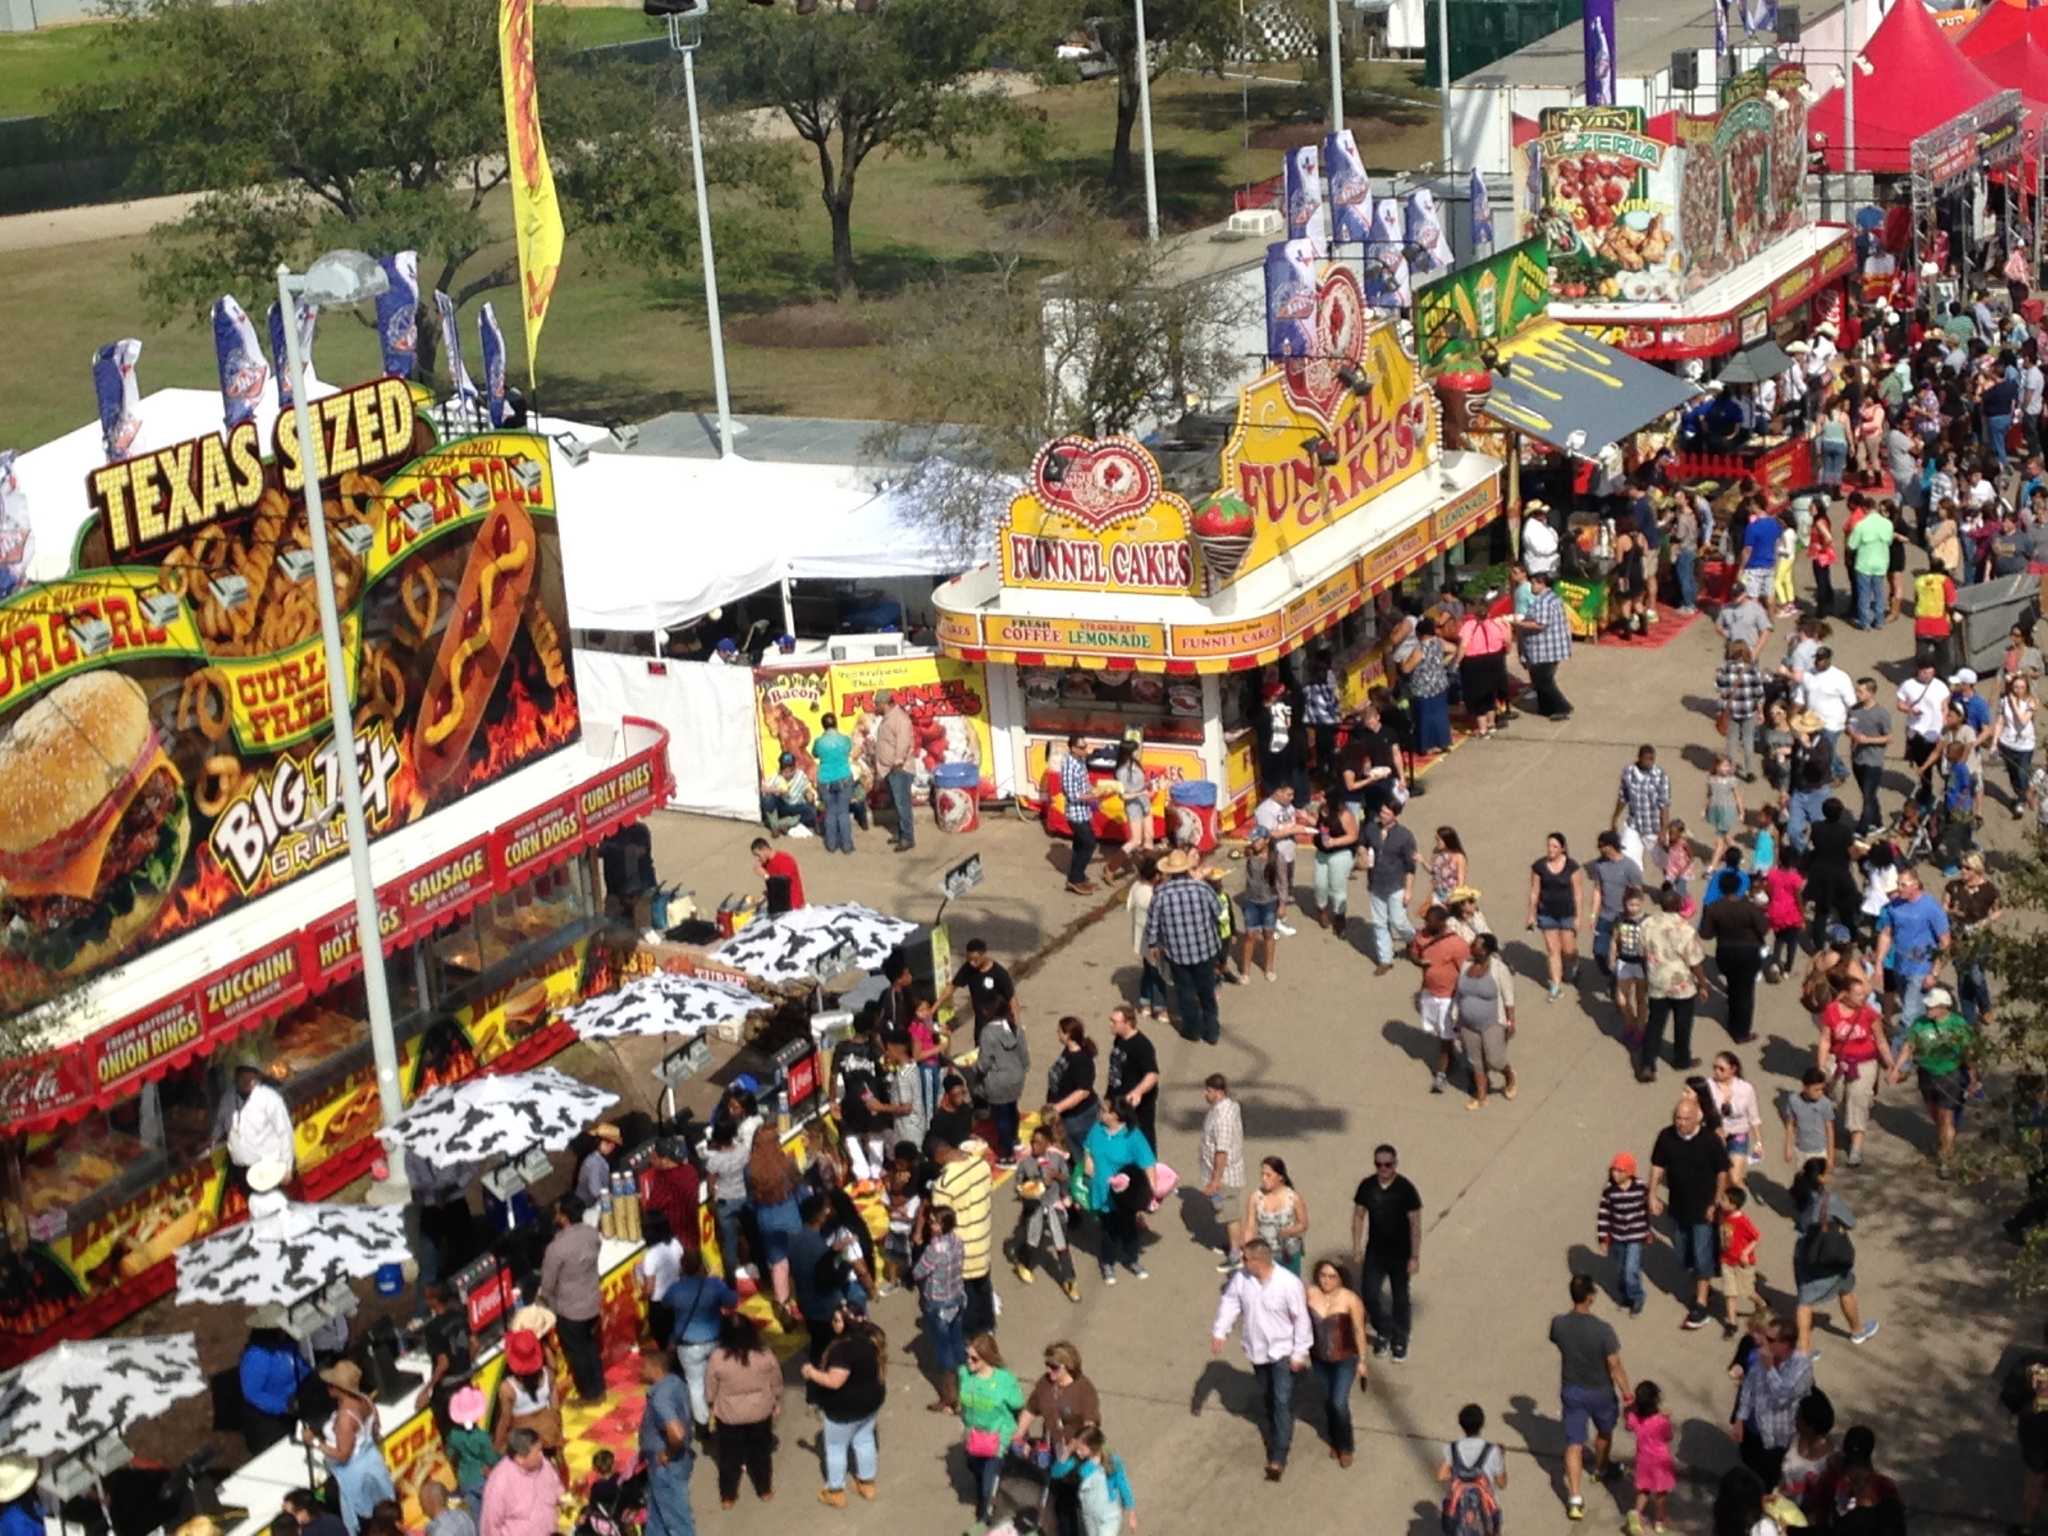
(522, 1492)
(1869, 430)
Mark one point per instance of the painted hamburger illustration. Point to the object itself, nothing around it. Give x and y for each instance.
(93, 825)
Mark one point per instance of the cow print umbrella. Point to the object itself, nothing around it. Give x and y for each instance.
(470, 1121)
(662, 1003)
(287, 1251)
(69, 1396)
(803, 945)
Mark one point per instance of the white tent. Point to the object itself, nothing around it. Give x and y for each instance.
(651, 543)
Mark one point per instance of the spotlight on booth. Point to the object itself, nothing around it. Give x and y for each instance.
(572, 450)
(624, 433)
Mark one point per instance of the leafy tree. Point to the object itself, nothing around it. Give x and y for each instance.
(379, 124)
(2014, 952)
(988, 369)
(852, 83)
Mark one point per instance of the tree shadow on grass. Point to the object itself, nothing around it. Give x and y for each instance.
(1194, 190)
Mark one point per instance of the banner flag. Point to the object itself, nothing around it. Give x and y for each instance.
(494, 365)
(243, 373)
(1597, 27)
(398, 313)
(1350, 188)
(1308, 208)
(1482, 215)
(451, 343)
(280, 357)
(536, 216)
(1290, 298)
(113, 381)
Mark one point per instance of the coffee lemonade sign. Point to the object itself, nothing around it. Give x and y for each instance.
(166, 743)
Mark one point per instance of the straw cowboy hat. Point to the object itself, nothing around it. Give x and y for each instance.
(1806, 722)
(606, 1131)
(17, 1476)
(1463, 893)
(1178, 862)
(466, 1408)
(269, 1315)
(534, 1319)
(346, 1376)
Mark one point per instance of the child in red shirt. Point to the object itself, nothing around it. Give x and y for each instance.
(1739, 1239)
(1787, 915)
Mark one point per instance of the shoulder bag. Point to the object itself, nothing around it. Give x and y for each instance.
(1826, 1249)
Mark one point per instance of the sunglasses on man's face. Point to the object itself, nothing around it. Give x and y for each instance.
(1387, 1164)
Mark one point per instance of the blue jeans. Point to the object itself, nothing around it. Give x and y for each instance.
(1912, 1000)
(947, 1337)
(1389, 916)
(779, 815)
(1603, 930)
(1628, 1260)
(1277, 1424)
(1152, 988)
(1973, 992)
(1995, 428)
(726, 1216)
(1333, 870)
(668, 1497)
(860, 1434)
(987, 1472)
(906, 814)
(1433, 723)
(1195, 987)
(1339, 1379)
(1834, 458)
(1869, 601)
(1802, 812)
(838, 815)
(1685, 567)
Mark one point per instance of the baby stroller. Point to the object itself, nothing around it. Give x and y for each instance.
(1917, 833)
(616, 1506)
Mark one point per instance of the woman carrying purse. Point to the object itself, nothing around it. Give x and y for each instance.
(990, 1400)
(1824, 1257)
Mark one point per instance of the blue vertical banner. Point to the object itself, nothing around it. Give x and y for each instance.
(1429, 250)
(1350, 189)
(1290, 298)
(1597, 27)
(398, 313)
(243, 373)
(494, 365)
(1388, 283)
(1482, 215)
(17, 533)
(451, 343)
(1720, 35)
(1308, 206)
(1761, 16)
(120, 398)
(280, 355)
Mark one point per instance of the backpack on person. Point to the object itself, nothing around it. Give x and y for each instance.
(1470, 1507)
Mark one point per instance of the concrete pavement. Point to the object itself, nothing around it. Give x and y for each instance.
(1328, 1061)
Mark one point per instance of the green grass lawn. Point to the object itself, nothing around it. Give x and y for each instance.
(619, 343)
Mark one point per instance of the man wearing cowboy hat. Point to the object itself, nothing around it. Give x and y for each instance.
(1540, 555)
(1181, 932)
(594, 1173)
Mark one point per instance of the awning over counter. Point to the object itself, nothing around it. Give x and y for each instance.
(1578, 394)
(201, 990)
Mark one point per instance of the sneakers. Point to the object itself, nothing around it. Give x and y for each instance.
(833, 1497)
(1227, 1265)
(1284, 929)
(1635, 1308)
(1438, 1083)
(1575, 1509)
(1140, 1272)
(1634, 1524)
(1379, 1345)
(799, 830)
(1865, 1334)
(1108, 1275)
(1696, 1318)
(1399, 1352)
(1855, 1157)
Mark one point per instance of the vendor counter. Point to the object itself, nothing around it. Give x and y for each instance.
(1777, 466)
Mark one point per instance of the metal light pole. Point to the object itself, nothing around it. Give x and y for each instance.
(1145, 125)
(344, 278)
(1443, 73)
(1336, 76)
(1849, 52)
(687, 47)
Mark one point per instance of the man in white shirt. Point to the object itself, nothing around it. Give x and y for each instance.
(1539, 541)
(1274, 1307)
(1275, 813)
(1923, 700)
(259, 1127)
(1830, 693)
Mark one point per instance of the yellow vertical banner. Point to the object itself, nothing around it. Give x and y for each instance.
(536, 216)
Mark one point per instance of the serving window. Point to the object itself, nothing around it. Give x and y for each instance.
(70, 1175)
(1059, 701)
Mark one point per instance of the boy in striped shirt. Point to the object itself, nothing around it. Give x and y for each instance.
(1624, 1226)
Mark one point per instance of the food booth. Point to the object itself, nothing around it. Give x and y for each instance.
(1120, 605)
(186, 905)
(1685, 240)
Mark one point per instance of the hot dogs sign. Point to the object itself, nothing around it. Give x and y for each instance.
(166, 749)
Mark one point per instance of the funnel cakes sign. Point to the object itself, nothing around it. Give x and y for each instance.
(1097, 517)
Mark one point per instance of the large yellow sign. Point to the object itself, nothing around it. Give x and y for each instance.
(1273, 462)
(1097, 517)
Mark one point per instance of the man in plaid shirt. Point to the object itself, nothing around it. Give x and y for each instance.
(1546, 641)
(1774, 1385)
(1079, 793)
(1181, 930)
(1642, 805)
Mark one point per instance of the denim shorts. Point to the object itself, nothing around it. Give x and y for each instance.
(1555, 924)
(1260, 915)
(1587, 1408)
(1699, 1249)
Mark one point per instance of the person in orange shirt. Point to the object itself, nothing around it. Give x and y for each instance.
(1739, 1239)
(1440, 952)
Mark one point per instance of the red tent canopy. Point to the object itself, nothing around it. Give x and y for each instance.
(1918, 81)
(2000, 25)
(2021, 65)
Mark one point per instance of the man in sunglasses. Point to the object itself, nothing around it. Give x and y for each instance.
(1386, 1247)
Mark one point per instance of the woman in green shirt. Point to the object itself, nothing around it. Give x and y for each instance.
(1941, 1044)
(834, 751)
(990, 1400)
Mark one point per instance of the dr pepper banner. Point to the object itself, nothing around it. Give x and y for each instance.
(947, 700)
(166, 749)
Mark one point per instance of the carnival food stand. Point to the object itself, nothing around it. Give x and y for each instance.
(1118, 606)
(186, 904)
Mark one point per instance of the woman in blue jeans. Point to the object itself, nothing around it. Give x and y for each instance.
(848, 1377)
(834, 752)
(1337, 1350)
(772, 1183)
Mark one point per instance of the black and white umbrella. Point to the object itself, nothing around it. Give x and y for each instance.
(72, 1394)
(815, 943)
(471, 1121)
(286, 1251)
(663, 1003)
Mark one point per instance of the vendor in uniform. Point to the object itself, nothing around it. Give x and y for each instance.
(256, 1124)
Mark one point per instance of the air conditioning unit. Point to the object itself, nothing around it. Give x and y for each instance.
(1256, 224)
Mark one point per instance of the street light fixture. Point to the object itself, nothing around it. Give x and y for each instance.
(340, 279)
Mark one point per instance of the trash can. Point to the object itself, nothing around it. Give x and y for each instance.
(956, 796)
(1987, 611)
(1191, 815)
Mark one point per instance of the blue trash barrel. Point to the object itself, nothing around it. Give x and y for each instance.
(956, 796)
(1191, 815)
